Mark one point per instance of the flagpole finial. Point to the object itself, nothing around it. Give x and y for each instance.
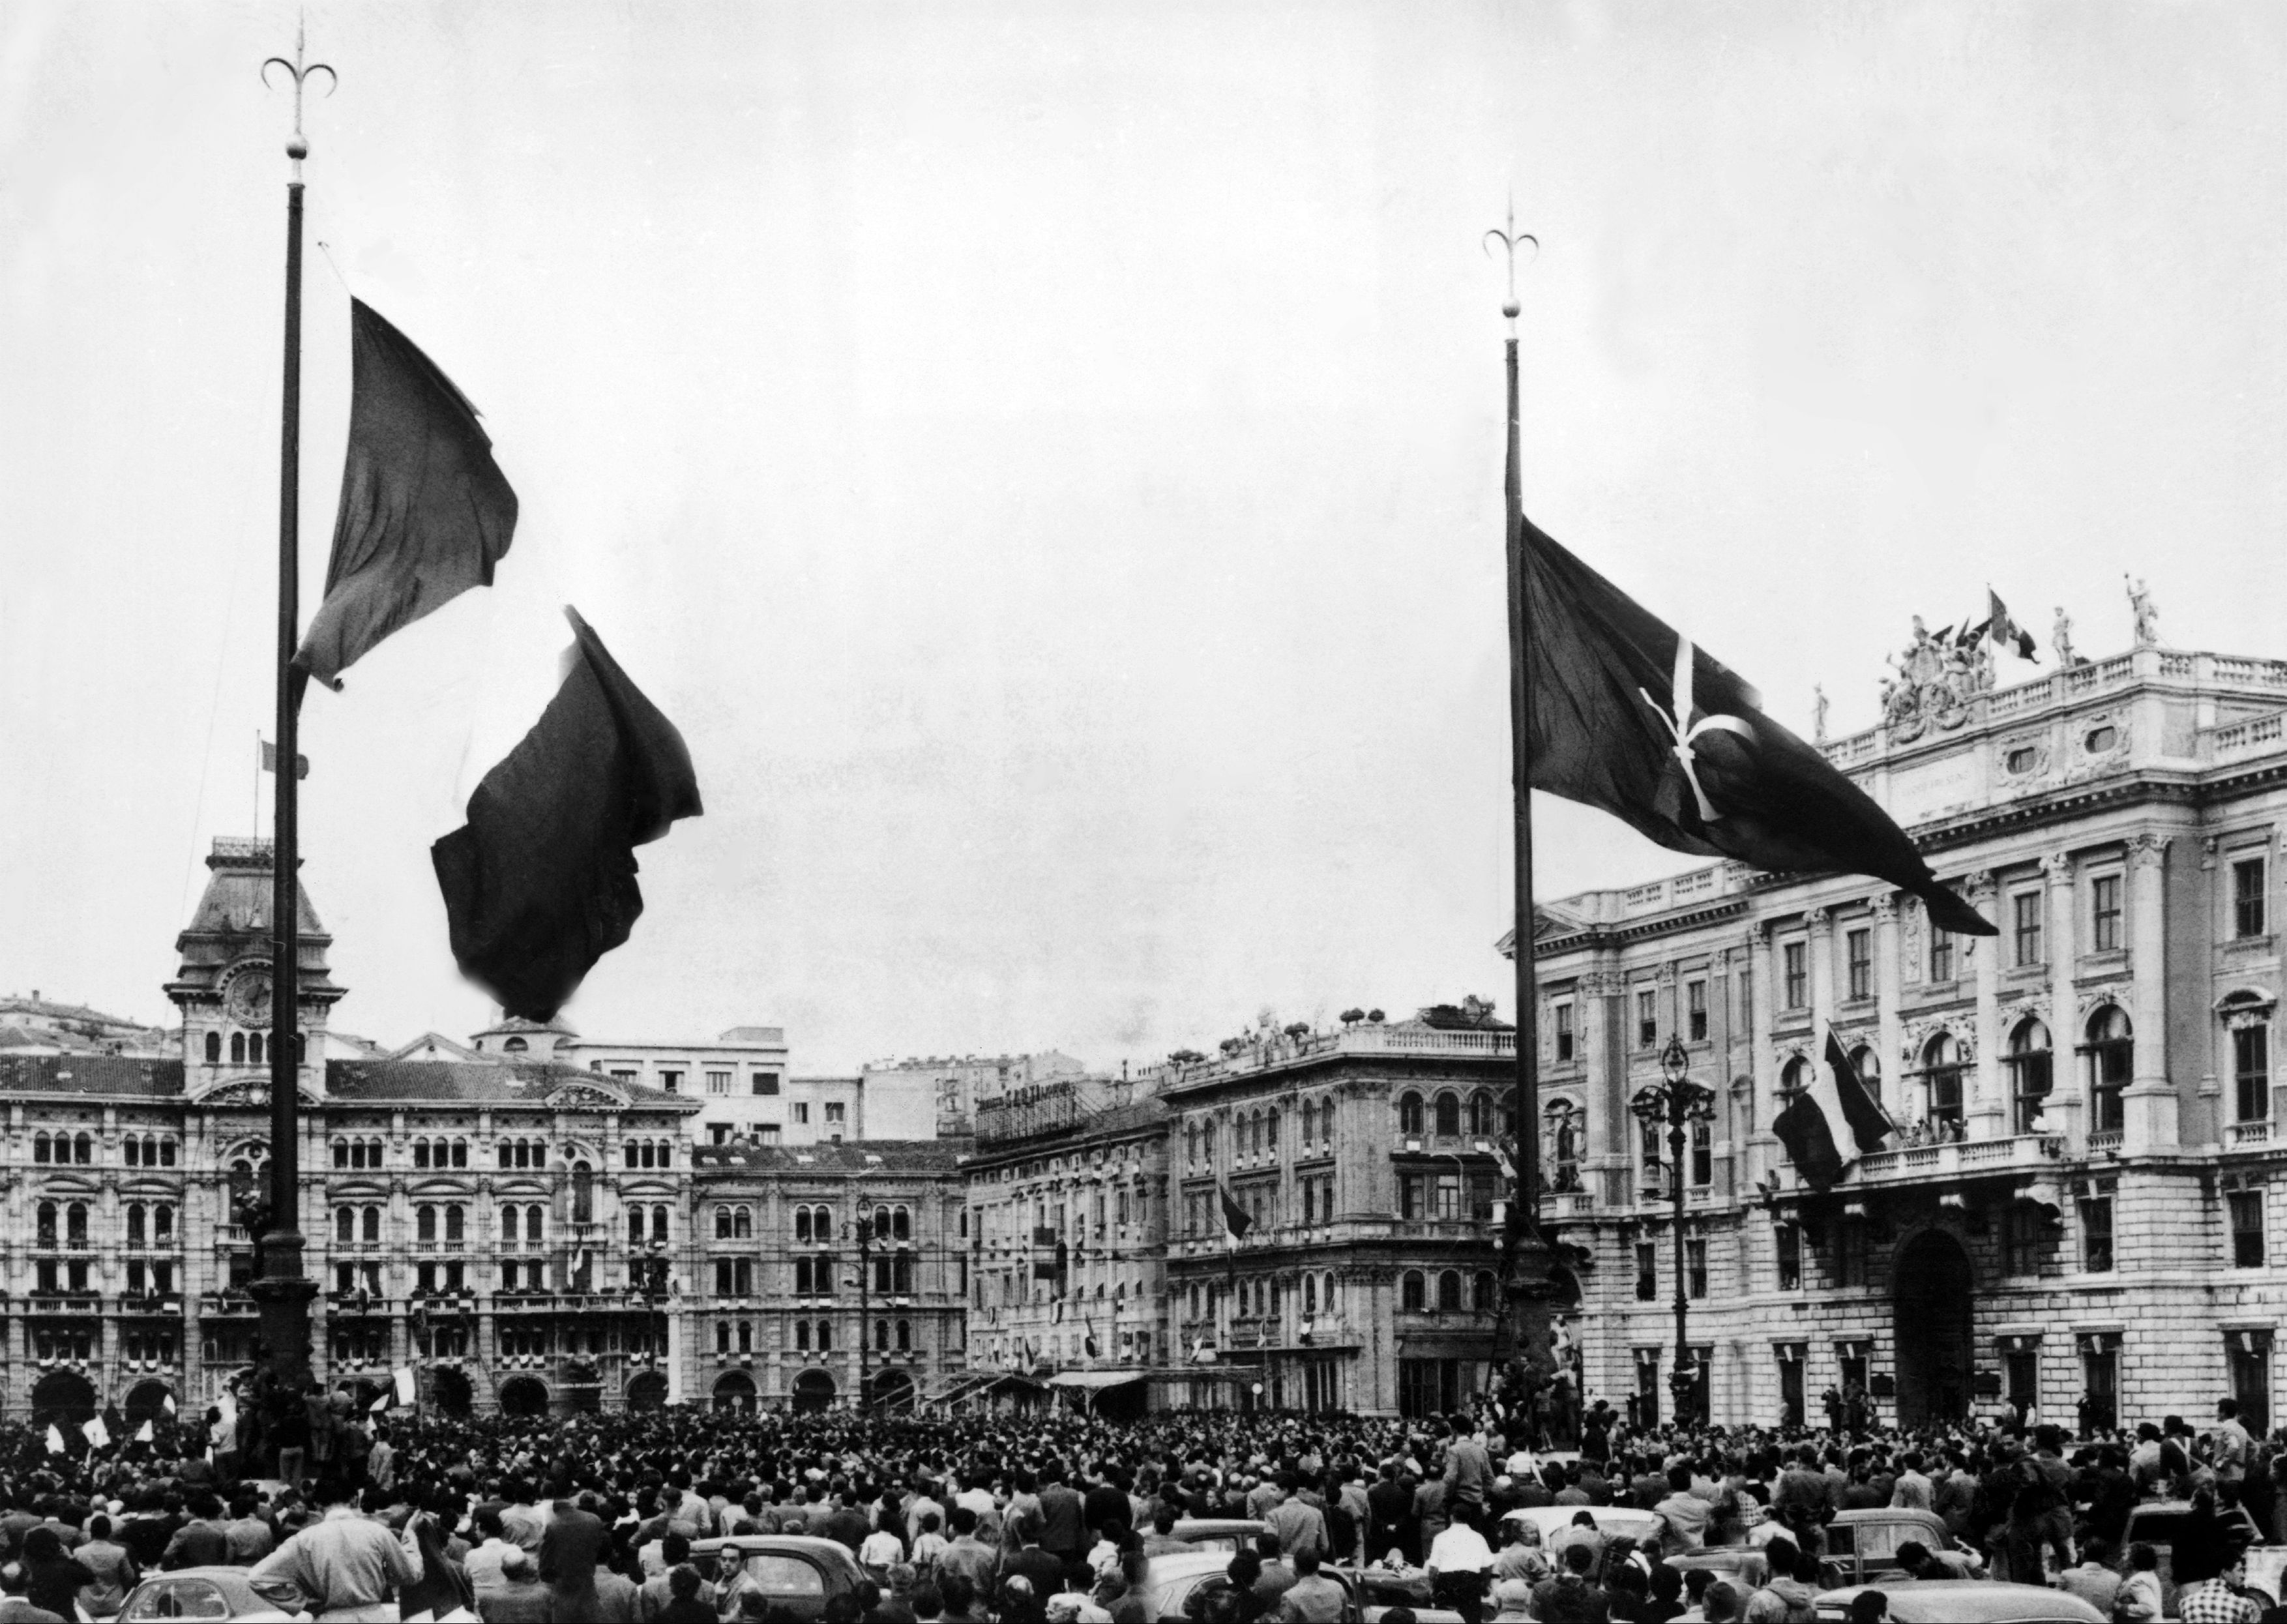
(298, 145)
(1510, 238)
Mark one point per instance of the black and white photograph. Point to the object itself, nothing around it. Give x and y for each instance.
(1050, 811)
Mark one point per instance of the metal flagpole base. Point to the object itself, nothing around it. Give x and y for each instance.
(1532, 1305)
(282, 1380)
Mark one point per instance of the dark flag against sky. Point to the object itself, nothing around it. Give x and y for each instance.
(1629, 716)
(541, 883)
(426, 512)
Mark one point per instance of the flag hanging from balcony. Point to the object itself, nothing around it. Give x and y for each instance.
(1832, 1122)
(1235, 1219)
(1628, 715)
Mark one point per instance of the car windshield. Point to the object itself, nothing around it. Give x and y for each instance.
(782, 1575)
(2157, 1527)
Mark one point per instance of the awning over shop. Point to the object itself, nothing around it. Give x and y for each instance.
(1097, 1378)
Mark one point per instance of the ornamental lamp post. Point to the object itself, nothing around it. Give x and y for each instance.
(1678, 1102)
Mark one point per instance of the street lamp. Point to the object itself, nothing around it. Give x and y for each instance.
(1679, 1101)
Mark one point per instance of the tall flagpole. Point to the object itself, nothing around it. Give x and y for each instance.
(1529, 1258)
(281, 1290)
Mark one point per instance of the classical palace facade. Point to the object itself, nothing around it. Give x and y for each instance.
(2081, 1210)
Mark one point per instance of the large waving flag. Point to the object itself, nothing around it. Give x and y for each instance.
(542, 882)
(1235, 1219)
(426, 512)
(1832, 1122)
(1629, 716)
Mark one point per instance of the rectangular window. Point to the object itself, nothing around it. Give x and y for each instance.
(1646, 1018)
(767, 1133)
(1859, 952)
(1694, 1268)
(1412, 1196)
(1703, 1153)
(718, 1082)
(2246, 1228)
(2247, 912)
(2025, 931)
(1449, 1197)
(1795, 969)
(2022, 1236)
(1790, 1254)
(1850, 1254)
(1564, 1031)
(835, 1112)
(2251, 1071)
(2104, 914)
(801, 1110)
(1646, 1271)
(2096, 1234)
(718, 1133)
(670, 1081)
(765, 1082)
(1940, 955)
(1695, 1011)
(626, 1075)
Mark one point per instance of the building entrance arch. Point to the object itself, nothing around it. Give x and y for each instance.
(64, 1398)
(813, 1391)
(735, 1392)
(647, 1392)
(523, 1396)
(893, 1391)
(1935, 1344)
(146, 1401)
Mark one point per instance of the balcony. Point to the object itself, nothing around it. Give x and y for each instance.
(1960, 1159)
(2240, 1136)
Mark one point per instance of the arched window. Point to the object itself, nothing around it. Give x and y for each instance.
(507, 1226)
(1449, 1112)
(535, 1225)
(133, 1149)
(825, 1336)
(459, 1152)
(746, 1337)
(425, 1225)
(802, 1336)
(2111, 1052)
(1409, 1112)
(372, 1225)
(742, 1222)
(254, 1049)
(44, 1220)
(421, 1152)
(1326, 1124)
(39, 1147)
(1481, 1114)
(507, 1154)
(214, 1048)
(635, 1226)
(238, 1049)
(905, 1336)
(1310, 1294)
(455, 1224)
(1412, 1292)
(75, 1225)
(2031, 1074)
(583, 1193)
(722, 1336)
(515, 1046)
(1309, 1122)
(628, 1154)
(1868, 1064)
(1449, 1291)
(135, 1223)
(1271, 1130)
(82, 1149)
(344, 1225)
(881, 1336)
(901, 1223)
(722, 1222)
(1942, 1073)
(802, 1223)
(1485, 1296)
(162, 1225)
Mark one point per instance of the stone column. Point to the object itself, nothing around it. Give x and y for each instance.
(1591, 998)
(1820, 945)
(1762, 1152)
(1889, 1028)
(2066, 1110)
(2150, 1102)
(1988, 1109)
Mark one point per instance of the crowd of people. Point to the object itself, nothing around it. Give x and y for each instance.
(1025, 1519)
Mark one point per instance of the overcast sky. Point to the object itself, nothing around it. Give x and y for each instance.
(1047, 458)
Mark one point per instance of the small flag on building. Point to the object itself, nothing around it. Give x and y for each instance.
(55, 1439)
(95, 1431)
(270, 760)
(1235, 1219)
(1830, 1124)
(2005, 632)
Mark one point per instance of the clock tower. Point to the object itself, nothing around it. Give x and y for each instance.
(223, 989)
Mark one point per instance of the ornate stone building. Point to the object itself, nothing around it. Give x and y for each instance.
(1367, 1162)
(2083, 1205)
(492, 1226)
(1068, 1239)
(790, 1304)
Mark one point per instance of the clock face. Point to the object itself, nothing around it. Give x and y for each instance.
(248, 998)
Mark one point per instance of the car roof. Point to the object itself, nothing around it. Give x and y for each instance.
(1182, 1564)
(212, 1571)
(1890, 1513)
(1968, 1600)
(1560, 1517)
(1222, 1525)
(756, 1544)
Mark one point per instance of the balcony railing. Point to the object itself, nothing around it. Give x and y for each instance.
(2250, 1133)
(1957, 1158)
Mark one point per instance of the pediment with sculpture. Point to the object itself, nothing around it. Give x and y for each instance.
(585, 1096)
(250, 1096)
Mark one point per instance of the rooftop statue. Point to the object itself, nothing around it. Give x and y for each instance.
(2147, 616)
(1935, 678)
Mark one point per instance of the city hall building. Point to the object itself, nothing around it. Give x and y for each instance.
(2082, 1208)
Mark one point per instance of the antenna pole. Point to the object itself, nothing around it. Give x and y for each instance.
(282, 1290)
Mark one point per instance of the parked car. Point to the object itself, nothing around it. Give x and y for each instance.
(213, 1593)
(1965, 1601)
(1172, 1579)
(1629, 1520)
(1226, 1534)
(2159, 1523)
(1862, 1546)
(796, 1572)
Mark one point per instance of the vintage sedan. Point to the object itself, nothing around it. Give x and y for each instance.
(213, 1593)
(796, 1572)
(1964, 1601)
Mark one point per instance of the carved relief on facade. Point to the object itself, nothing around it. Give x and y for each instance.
(2023, 759)
(1933, 681)
(2100, 744)
(1918, 1034)
(2146, 850)
(2089, 1000)
(1915, 964)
